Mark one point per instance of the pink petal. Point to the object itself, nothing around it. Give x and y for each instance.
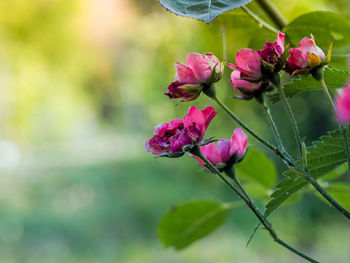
(239, 142)
(185, 74)
(297, 60)
(308, 45)
(249, 60)
(213, 61)
(237, 82)
(211, 153)
(200, 66)
(342, 105)
(280, 40)
(224, 149)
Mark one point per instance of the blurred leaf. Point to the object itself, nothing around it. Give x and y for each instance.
(257, 191)
(335, 78)
(336, 173)
(184, 224)
(325, 26)
(258, 40)
(341, 193)
(323, 156)
(204, 10)
(258, 167)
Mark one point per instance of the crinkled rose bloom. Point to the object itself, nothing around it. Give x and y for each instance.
(246, 76)
(272, 52)
(305, 57)
(170, 138)
(189, 79)
(227, 152)
(342, 105)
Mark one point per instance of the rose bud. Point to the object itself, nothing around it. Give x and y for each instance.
(227, 153)
(272, 53)
(306, 57)
(342, 105)
(170, 138)
(247, 76)
(201, 70)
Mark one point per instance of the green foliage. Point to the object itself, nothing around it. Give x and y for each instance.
(184, 224)
(323, 156)
(325, 26)
(204, 10)
(293, 85)
(257, 167)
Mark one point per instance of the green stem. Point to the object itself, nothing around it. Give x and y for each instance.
(291, 115)
(272, 124)
(341, 127)
(286, 159)
(251, 205)
(232, 174)
(259, 20)
(272, 11)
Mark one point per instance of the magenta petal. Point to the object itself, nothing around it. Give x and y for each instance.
(200, 66)
(342, 105)
(194, 115)
(185, 74)
(224, 149)
(208, 114)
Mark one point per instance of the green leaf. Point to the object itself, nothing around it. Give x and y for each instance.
(256, 166)
(204, 10)
(325, 26)
(184, 224)
(323, 157)
(334, 78)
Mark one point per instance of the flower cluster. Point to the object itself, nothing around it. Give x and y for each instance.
(254, 73)
(255, 70)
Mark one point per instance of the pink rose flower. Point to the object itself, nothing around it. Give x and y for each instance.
(342, 105)
(306, 57)
(272, 52)
(228, 152)
(247, 74)
(170, 138)
(189, 80)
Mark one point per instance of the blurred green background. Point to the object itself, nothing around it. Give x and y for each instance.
(82, 84)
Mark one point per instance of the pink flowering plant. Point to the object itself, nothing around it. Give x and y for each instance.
(277, 71)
